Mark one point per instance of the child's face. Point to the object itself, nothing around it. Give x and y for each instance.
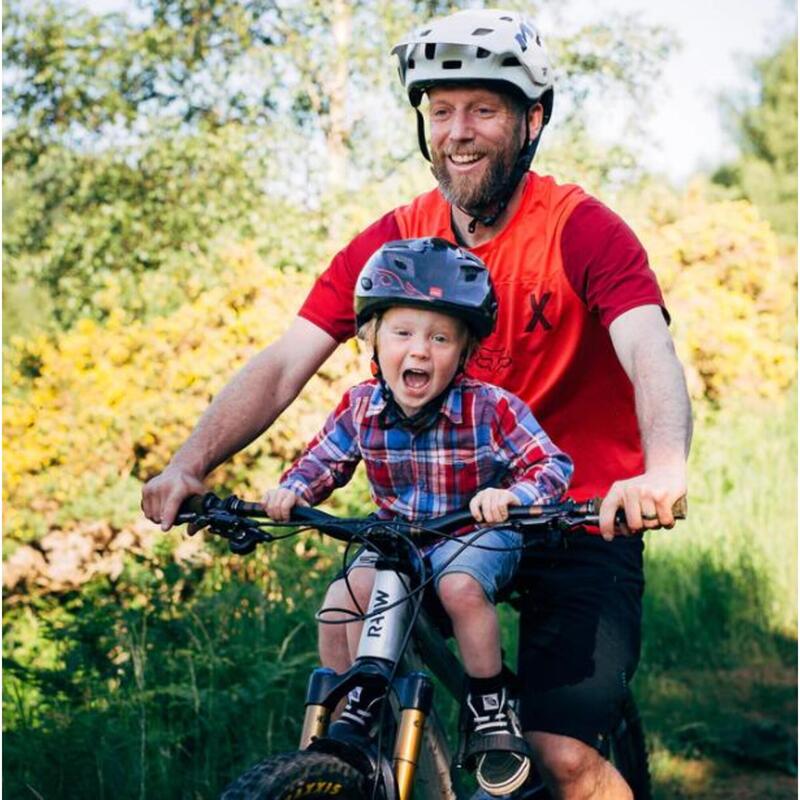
(418, 352)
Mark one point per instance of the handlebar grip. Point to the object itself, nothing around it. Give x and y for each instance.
(680, 508)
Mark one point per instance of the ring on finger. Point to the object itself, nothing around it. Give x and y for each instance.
(649, 517)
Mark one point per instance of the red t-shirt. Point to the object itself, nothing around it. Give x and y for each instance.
(564, 268)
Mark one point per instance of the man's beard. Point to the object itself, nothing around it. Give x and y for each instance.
(477, 197)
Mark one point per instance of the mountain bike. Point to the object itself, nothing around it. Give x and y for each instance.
(401, 645)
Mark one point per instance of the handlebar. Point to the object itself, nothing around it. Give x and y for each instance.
(235, 519)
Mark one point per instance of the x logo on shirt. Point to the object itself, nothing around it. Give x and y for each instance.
(537, 307)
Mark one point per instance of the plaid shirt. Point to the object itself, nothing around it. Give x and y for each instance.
(483, 437)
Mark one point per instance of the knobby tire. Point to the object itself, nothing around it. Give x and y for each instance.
(302, 775)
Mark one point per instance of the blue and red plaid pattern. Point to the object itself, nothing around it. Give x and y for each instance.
(483, 437)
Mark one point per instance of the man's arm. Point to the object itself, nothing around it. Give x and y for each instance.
(645, 350)
(243, 410)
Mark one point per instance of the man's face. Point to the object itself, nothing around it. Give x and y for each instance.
(476, 135)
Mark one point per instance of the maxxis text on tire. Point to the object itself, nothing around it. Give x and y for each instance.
(299, 776)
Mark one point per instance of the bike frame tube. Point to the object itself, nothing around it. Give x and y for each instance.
(384, 630)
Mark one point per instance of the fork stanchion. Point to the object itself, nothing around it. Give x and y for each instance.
(406, 750)
(415, 693)
(317, 716)
(315, 724)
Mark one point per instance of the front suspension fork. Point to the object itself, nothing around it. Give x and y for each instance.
(415, 696)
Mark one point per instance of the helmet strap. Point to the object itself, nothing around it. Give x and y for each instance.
(374, 366)
(423, 145)
(521, 166)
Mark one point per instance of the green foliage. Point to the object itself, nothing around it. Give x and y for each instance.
(721, 255)
(171, 678)
(164, 683)
(136, 140)
(89, 229)
(766, 173)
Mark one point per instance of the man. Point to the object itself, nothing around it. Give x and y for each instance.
(581, 337)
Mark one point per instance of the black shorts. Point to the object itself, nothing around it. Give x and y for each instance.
(580, 635)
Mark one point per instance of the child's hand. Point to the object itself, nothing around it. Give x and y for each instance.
(491, 505)
(278, 503)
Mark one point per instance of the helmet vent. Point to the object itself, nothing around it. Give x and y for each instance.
(507, 19)
(451, 64)
(399, 264)
(425, 32)
(482, 53)
(411, 63)
(482, 31)
(511, 61)
(430, 50)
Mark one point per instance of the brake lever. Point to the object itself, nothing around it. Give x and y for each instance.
(195, 524)
(242, 533)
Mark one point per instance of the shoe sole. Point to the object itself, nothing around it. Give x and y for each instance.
(511, 785)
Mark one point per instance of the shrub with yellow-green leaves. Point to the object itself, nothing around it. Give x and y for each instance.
(731, 293)
(96, 412)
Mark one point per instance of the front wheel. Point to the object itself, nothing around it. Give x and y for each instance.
(304, 774)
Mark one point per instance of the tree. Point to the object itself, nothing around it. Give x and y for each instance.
(134, 140)
(766, 172)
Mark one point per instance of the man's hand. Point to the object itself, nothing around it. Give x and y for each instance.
(278, 503)
(647, 500)
(491, 505)
(163, 495)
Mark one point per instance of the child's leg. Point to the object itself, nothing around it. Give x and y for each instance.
(338, 642)
(468, 581)
(469, 578)
(475, 623)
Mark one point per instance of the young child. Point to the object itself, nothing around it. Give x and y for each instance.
(432, 441)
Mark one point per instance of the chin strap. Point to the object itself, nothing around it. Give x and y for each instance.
(521, 166)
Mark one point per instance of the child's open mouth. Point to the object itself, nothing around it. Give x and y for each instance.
(416, 379)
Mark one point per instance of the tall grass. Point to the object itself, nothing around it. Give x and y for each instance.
(722, 586)
(168, 694)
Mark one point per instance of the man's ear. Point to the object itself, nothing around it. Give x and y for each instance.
(535, 120)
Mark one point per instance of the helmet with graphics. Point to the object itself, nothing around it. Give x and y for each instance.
(429, 273)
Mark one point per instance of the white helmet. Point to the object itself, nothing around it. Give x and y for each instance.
(477, 45)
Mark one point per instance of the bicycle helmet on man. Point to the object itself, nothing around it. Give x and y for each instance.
(499, 49)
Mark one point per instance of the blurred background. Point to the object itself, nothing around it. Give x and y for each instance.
(175, 174)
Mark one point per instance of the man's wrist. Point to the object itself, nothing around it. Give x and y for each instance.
(672, 462)
(187, 464)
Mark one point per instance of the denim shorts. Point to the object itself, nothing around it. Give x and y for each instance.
(491, 558)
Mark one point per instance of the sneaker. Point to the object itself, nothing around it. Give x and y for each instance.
(499, 770)
(357, 716)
